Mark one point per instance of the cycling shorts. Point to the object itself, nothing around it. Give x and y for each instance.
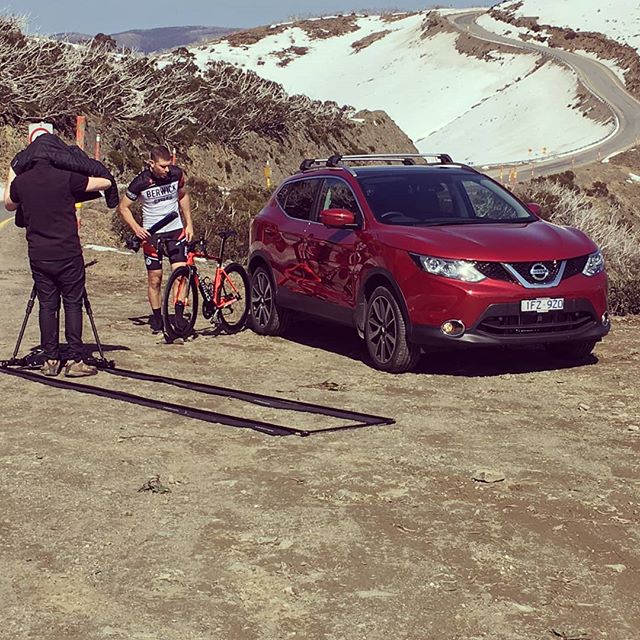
(173, 244)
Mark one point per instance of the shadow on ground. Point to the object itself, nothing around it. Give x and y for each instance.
(463, 360)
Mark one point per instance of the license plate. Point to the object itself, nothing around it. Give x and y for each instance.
(541, 305)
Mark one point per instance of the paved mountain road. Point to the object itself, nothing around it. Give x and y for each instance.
(595, 76)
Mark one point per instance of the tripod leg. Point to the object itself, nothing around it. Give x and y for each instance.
(87, 306)
(28, 311)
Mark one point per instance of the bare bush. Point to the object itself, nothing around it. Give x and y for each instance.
(175, 104)
(600, 220)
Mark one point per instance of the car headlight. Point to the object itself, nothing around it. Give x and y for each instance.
(455, 269)
(595, 264)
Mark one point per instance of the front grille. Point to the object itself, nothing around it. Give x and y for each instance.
(574, 266)
(533, 323)
(494, 271)
(524, 269)
(497, 271)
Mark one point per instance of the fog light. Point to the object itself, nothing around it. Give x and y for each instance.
(453, 328)
(605, 319)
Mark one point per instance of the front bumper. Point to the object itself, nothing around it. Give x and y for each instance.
(505, 324)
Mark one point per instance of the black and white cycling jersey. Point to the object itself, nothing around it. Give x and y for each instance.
(159, 196)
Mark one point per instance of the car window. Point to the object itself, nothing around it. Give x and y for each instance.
(487, 203)
(337, 194)
(437, 199)
(297, 198)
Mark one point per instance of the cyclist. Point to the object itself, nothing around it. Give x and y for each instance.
(161, 190)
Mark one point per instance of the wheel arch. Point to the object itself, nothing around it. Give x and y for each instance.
(259, 259)
(376, 278)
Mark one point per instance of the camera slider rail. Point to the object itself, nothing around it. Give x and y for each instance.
(358, 420)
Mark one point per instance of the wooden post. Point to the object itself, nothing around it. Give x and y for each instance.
(81, 127)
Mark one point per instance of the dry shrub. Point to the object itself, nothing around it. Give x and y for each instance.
(565, 204)
(215, 210)
(175, 105)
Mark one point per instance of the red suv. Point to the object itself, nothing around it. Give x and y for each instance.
(418, 253)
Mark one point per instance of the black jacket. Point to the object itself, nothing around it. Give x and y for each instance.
(69, 158)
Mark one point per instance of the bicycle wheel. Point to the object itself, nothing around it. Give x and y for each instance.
(233, 301)
(180, 304)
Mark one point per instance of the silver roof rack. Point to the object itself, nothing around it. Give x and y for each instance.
(405, 158)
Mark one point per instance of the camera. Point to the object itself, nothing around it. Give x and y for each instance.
(133, 243)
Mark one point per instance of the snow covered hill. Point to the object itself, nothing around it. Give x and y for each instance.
(619, 20)
(480, 105)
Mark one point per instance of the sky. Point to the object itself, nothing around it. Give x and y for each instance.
(90, 17)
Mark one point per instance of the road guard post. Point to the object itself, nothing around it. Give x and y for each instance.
(267, 174)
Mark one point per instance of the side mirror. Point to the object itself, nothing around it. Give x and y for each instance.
(536, 209)
(338, 218)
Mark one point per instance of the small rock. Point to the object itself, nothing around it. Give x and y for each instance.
(374, 593)
(633, 427)
(488, 475)
(618, 568)
(584, 407)
(154, 485)
(524, 608)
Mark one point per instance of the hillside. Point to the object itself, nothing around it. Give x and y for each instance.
(151, 40)
(445, 90)
(224, 124)
(608, 30)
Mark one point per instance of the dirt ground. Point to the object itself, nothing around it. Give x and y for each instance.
(372, 533)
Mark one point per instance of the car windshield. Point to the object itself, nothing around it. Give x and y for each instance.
(431, 199)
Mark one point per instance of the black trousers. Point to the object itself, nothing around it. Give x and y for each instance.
(55, 279)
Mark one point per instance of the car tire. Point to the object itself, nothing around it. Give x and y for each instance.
(576, 350)
(385, 334)
(266, 317)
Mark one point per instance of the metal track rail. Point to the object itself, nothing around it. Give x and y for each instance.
(255, 398)
(360, 419)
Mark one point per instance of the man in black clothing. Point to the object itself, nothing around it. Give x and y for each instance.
(46, 197)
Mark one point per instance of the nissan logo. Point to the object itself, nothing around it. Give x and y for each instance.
(539, 272)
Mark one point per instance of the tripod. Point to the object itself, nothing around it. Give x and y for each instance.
(101, 362)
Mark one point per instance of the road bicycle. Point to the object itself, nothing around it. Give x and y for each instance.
(224, 293)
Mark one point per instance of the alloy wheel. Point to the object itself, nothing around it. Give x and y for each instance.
(383, 329)
(261, 299)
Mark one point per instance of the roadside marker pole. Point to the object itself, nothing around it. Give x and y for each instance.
(267, 174)
(173, 155)
(81, 127)
(96, 151)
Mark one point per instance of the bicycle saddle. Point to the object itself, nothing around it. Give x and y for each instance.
(226, 234)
